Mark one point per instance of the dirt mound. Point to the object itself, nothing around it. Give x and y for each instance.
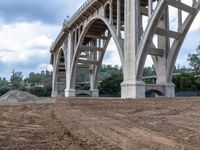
(18, 96)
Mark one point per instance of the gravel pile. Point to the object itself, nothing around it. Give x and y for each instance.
(16, 96)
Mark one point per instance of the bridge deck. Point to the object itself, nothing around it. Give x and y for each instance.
(89, 7)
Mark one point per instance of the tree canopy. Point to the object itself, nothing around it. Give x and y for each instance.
(194, 59)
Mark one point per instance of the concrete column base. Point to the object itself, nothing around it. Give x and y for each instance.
(94, 93)
(54, 94)
(170, 90)
(70, 92)
(133, 90)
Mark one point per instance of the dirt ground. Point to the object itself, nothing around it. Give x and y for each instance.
(76, 124)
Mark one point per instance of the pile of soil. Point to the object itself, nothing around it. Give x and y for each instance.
(16, 96)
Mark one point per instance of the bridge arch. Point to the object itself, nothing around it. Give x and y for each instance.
(60, 73)
(82, 43)
(146, 42)
(178, 43)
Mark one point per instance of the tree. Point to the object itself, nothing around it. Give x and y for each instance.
(194, 59)
(3, 82)
(16, 79)
(111, 85)
(149, 71)
(185, 82)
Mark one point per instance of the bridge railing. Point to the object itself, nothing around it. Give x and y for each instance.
(79, 11)
(66, 22)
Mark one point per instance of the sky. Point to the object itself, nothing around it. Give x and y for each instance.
(28, 27)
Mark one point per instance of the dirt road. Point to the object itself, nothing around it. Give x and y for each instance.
(102, 124)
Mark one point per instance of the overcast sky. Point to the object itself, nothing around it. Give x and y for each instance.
(28, 27)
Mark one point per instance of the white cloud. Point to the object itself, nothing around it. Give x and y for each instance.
(26, 44)
(45, 67)
(112, 56)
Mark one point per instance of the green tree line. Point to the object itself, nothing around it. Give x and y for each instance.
(110, 77)
(38, 84)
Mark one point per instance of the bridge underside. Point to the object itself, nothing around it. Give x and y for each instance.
(83, 40)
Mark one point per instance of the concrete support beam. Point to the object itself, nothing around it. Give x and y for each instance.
(182, 6)
(131, 88)
(54, 78)
(150, 8)
(168, 33)
(179, 18)
(156, 52)
(111, 14)
(161, 67)
(119, 18)
(96, 37)
(90, 48)
(88, 62)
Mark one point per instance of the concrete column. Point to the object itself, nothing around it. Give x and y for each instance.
(150, 8)
(75, 40)
(161, 69)
(69, 91)
(111, 14)
(194, 2)
(179, 17)
(54, 79)
(66, 53)
(72, 38)
(119, 18)
(169, 90)
(163, 43)
(131, 87)
(93, 82)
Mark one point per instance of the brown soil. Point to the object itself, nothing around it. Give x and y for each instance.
(74, 124)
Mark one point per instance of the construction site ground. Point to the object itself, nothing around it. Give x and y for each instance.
(101, 124)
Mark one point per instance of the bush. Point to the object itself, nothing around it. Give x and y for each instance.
(4, 90)
(39, 91)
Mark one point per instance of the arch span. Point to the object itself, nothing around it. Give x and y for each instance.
(146, 43)
(172, 57)
(60, 78)
(83, 44)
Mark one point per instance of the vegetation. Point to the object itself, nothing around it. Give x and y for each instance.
(110, 86)
(194, 59)
(38, 84)
(110, 78)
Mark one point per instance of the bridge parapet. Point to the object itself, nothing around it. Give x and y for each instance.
(80, 10)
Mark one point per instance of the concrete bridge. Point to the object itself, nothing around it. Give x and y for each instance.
(82, 42)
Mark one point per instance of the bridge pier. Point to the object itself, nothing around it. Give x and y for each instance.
(70, 93)
(94, 93)
(132, 87)
(54, 76)
(133, 90)
(169, 90)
